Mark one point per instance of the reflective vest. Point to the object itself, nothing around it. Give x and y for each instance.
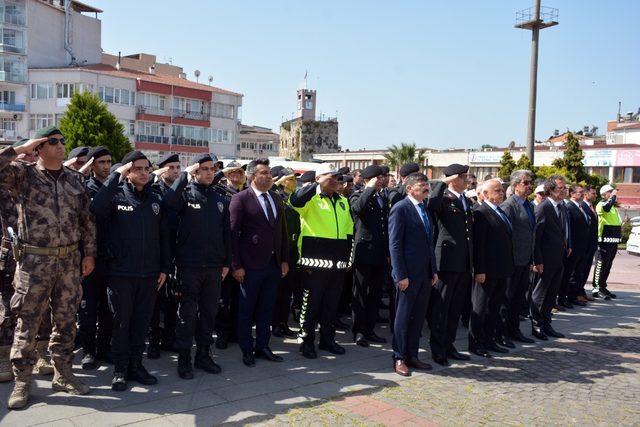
(326, 233)
(609, 224)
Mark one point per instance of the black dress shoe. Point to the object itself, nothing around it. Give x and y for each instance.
(539, 333)
(564, 303)
(372, 337)
(153, 351)
(277, 332)
(267, 354)
(138, 373)
(89, 362)
(204, 361)
(521, 338)
(505, 342)
(441, 360)
(552, 332)
(361, 340)
(308, 350)
(185, 370)
(333, 348)
(606, 294)
(339, 324)
(288, 332)
(119, 382)
(496, 348)
(456, 355)
(481, 352)
(578, 303)
(248, 359)
(222, 343)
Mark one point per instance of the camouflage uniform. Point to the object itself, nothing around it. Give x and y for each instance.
(51, 214)
(8, 218)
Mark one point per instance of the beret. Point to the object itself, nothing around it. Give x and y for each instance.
(409, 168)
(95, 152)
(385, 169)
(19, 143)
(344, 170)
(605, 188)
(48, 131)
(455, 169)
(275, 171)
(114, 167)
(308, 176)
(371, 171)
(345, 178)
(170, 158)
(206, 157)
(78, 152)
(132, 156)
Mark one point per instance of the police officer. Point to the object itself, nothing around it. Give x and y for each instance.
(138, 251)
(50, 198)
(203, 257)
(164, 318)
(371, 254)
(609, 235)
(454, 257)
(326, 234)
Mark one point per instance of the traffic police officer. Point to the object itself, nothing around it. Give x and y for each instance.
(139, 261)
(609, 235)
(203, 257)
(326, 234)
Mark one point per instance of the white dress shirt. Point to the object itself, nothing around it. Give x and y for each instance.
(462, 199)
(415, 205)
(262, 202)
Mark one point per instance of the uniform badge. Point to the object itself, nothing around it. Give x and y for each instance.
(342, 205)
(220, 206)
(156, 208)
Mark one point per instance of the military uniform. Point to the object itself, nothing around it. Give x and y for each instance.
(53, 217)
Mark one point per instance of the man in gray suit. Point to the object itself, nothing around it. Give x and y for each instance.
(521, 214)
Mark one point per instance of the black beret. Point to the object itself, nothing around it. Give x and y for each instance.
(385, 169)
(19, 143)
(114, 167)
(217, 162)
(455, 169)
(169, 158)
(371, 171)
(206, 157)
(95, 152)
(132, 156)
(344, 170)
(308, 176)
(345, 178)
(78, 152)
(51, 130)
(275, 171)
(409, 168)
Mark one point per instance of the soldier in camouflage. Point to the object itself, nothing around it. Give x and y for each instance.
(53, 217)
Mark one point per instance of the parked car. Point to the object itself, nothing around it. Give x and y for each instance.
(633, 244)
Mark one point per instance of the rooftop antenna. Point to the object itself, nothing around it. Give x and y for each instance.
(306, 73)
(197, 74)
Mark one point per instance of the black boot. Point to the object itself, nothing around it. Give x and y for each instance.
(185, 371)
(138, 373)
(205, 362)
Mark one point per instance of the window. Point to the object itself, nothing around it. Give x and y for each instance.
(66, 90)
(151, 101)
(116, 96)
(39, 121)
(108, 95)
(225, 111)
(7, 97)
(41, 91)
(132, 127)
(629, 174)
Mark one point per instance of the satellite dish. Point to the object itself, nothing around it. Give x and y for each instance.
(210, 79)
(197, 74)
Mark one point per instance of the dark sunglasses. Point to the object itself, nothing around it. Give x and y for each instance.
(54, 141)
(526, 182)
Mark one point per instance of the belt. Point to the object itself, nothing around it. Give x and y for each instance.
(59, 251)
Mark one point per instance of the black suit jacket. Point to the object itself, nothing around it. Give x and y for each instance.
(492, 244)
(253, 238)
(593, 226)
(579, 229)
(550, 245)
(454, 228)
(371, 227)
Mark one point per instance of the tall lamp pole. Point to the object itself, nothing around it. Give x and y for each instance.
(534, 18)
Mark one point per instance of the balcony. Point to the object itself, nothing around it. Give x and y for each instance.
(7, 48)
(191, 142)
(152, 139)
(189, 114)
(11, 107)
(142, 109)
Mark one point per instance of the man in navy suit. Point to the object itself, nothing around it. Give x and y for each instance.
(413, 268)
(260, 254)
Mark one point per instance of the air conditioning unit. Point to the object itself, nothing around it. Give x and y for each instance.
(17, 117)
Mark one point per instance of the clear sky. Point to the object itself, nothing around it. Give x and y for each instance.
(438, 73)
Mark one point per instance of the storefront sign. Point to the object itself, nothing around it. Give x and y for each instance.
(594, 158)
(628, 157)
(485, 156)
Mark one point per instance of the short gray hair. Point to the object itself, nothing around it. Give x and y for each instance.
(517, 175)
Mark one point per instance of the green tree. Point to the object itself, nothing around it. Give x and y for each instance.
(524, 163)
(571, 160)
(89, 123)
(405, 153)
(507, 165)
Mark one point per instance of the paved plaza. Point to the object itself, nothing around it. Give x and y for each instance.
(592, 377)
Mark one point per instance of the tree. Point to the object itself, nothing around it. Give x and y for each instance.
(405, 153)
(507, 165)
(89, 123)
(525, 163)
(571, 160)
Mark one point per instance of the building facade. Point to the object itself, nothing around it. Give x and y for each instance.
(257, 141)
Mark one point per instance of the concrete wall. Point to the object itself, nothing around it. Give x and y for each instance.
(45, 37)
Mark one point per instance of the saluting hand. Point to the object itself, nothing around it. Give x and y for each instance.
(29, 146)
(86, 167)
(403, 284)
(159, 172)
(191, 170)
(69, 162)
(162, 277)
(448, 179)
(124, 170)
(88, 264)
(372, 182)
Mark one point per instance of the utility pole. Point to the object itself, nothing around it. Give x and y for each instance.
(534, 18)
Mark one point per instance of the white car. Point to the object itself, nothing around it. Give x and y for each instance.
(633, 244)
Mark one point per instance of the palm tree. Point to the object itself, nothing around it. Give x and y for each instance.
(405, 153)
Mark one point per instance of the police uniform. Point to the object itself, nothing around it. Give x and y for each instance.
(371, 253)
(164, 317)
(454, 257)
(609, 235)
(325, 243)
(48, 263)
(138, 250)
(95, 319)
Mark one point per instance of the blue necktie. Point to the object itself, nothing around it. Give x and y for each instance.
(532, 218)
(504, 217)
(425, 219)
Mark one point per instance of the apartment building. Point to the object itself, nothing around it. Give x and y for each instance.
(257, 141)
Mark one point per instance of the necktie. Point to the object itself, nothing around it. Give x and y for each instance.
(464, 203)
(504, 217)
(532, 218)
(425, 219)
(586, 216)
(272, 219)
(380, 200)
(563, 220)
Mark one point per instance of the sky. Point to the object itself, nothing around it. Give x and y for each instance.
(440, 74)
